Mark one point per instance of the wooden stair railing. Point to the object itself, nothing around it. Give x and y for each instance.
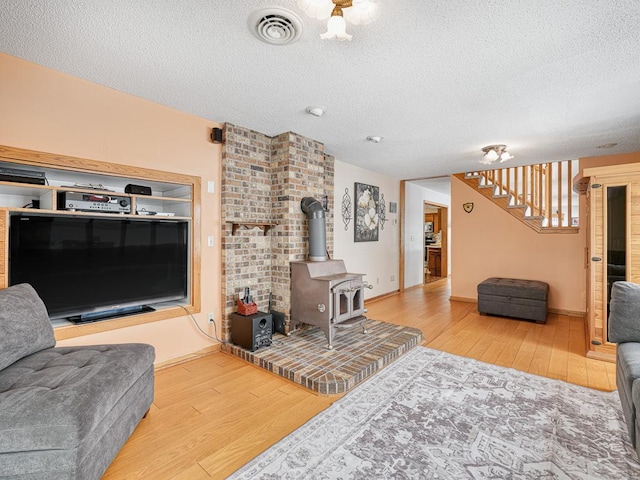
(541, 196)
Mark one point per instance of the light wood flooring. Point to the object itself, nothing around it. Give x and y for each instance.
(212, 415)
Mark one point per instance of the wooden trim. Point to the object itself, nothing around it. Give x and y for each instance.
(548, 204)
(188, 357)
(570, 313)
(444, 241)
(604, 356)
(560, 221)
(435, 204)
(612, 169)
(569, 194)
(525, 185)
(382, 297)
(73, 331)
(64, 162)
(560, 311)
(418, 285)
(196, 247)
(402, 234)
(591, 272)
(463, 299)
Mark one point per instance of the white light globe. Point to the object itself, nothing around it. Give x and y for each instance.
(319, 9)
(362, 12)
(336, 28)
(505, 156)
(490, 156)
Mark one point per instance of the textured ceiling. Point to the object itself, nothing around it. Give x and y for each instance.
(438, 79)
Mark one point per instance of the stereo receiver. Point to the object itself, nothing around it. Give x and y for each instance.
(93, 202)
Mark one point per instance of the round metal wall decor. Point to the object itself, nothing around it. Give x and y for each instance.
(346, 208)
(382, 211)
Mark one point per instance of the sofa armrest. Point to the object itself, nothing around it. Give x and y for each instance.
(25, 327)
(624, 316)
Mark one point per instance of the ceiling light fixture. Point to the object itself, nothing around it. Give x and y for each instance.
(315, 111)
(374, 139)
(339, 12)
(495, 152)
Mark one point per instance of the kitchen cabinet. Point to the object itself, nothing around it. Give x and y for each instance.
(433, 218)
(434, 261)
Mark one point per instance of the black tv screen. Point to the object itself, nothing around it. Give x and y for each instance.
(83, 265)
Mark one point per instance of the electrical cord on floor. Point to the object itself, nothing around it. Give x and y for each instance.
(215, 327)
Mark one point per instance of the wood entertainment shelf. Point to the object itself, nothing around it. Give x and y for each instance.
(174, 197)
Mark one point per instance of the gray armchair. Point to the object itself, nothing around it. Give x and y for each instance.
(624, 329)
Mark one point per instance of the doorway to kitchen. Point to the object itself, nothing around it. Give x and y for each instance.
(436, 228)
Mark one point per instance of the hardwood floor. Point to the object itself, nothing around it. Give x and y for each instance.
(212, 415)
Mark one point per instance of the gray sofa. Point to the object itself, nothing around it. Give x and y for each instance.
(65, 412)
(624, 329)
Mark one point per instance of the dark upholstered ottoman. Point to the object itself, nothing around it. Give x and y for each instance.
(511, 297)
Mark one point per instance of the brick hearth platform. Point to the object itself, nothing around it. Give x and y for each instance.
(303, 358)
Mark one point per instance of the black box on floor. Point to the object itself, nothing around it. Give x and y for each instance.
(278, 322)
(251, 331)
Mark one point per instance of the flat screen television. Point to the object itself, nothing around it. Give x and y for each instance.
(83, 267)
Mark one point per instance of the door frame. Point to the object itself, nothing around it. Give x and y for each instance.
(443, 211)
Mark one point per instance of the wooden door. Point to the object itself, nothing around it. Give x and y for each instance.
(614, 213)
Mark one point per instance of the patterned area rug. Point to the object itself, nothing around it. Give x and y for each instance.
(433, 415)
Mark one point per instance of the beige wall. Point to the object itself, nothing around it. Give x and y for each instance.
(489, 242)
(48, 111)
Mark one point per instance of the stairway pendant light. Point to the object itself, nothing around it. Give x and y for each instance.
(495, 152)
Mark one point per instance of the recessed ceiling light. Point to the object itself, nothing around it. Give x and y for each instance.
(607, 145)
(374, 138)
(315, 111)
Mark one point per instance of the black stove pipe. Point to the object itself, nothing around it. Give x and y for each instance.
(317, 229)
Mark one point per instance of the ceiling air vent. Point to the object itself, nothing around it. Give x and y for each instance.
(276, 26)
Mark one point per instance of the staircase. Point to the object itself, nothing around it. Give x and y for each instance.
(540, 196)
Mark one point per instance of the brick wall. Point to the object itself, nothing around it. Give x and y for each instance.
(263, 180)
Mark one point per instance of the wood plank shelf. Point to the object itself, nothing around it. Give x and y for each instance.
(264, 226)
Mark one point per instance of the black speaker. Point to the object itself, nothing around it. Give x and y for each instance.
(278, 322)
(251, 331)
(216, 135)
(137, 189)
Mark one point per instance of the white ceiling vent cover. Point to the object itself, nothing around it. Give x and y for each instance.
(276, 26)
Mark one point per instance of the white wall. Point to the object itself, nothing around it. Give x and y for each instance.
(379, 261)
(414, 199)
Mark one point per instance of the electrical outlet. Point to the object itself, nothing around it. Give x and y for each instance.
(211, 241)
(210, 317)
(393, 278)
(211, 186)
(377, 281)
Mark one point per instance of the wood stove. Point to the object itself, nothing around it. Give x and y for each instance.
(324, 294)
